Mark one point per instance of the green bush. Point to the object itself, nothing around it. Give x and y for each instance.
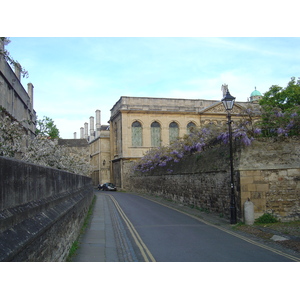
(265, 219)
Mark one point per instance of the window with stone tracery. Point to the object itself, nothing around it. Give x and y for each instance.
(173, 132)
(137, 134)
(155, 134)
(190, 126)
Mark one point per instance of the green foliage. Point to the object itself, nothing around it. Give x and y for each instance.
(283, 98)
(47, 128)
(266, 219)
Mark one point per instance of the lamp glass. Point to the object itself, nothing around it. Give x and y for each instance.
(228, 101)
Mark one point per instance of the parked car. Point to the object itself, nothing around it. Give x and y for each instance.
(108, 187)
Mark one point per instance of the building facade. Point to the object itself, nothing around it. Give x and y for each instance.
(100, 156)
(138, 124)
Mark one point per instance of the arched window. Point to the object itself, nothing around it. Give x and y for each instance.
(137, 134)
(190, 126)
(155, 134)
(173, 132)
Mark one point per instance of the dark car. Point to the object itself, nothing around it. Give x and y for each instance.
(108, 187)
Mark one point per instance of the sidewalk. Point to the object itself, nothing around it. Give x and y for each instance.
(98, 244)
(105, 239)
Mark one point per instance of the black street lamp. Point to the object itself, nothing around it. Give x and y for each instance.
(228, 102)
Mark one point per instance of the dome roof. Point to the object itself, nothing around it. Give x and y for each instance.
(255, 93)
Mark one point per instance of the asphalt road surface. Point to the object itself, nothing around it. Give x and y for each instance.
(159, 233)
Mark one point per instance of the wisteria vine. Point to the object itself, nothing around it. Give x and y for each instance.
(251, 125)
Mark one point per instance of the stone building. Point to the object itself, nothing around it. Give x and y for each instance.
(255, 96)
(100, 156)
(138, 124)
(15, 101)
(94, 145)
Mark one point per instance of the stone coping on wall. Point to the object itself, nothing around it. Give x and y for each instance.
(36, 220)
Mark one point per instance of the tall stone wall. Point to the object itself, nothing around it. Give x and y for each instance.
(15, 101)
(41, 211)
(267, 173)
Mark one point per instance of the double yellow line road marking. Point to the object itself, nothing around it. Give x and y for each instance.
(147, 256)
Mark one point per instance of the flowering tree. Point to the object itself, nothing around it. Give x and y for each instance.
(276, 122)
(10, 137)
(39, 150)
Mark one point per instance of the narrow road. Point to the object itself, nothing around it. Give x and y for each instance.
(171, 236)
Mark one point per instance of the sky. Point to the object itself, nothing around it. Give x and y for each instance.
(81, 58)
(75, 76)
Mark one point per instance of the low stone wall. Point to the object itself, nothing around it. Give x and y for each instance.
(201, 180)
(267, 173)
(41, 211)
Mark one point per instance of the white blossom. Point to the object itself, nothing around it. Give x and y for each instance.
(39, 150)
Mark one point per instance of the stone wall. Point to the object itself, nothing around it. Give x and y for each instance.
(268, 173)
(270, 177)
(41, 211)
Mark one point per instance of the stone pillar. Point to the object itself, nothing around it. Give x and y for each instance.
(81, 133)
(92, 133)
(30, 93)
(86, 136)
(98, 122)
(75, 135)
(18, 71)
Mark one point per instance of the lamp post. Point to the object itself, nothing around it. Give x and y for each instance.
(228, 102)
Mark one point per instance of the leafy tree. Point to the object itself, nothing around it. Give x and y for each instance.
(284, 98)
(47, 128)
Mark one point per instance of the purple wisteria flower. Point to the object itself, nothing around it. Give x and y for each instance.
(257, 131)
(290, 125)
(293, 115)
(224, 136)
(199, 147)
(247, 141)
(279, 114)
(282, 131)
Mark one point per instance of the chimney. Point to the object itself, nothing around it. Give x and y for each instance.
(30, 93)
(18, 70)
(98, 122)
(74, 135)
(86, 136)
(92, 133)
(81, 132)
